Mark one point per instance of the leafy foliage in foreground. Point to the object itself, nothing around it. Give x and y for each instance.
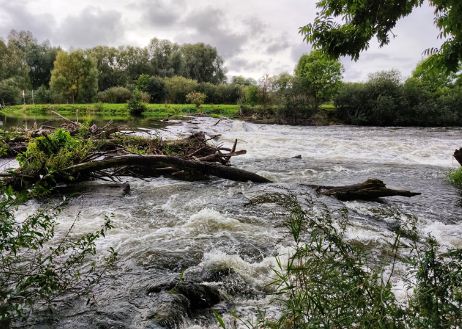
(36, 266)
(362, 20)
(329, 282)
(455, 177)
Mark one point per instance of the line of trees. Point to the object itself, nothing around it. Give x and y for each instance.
(165, 72)
(77, 76)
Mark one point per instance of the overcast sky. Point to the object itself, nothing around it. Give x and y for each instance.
(254, 37)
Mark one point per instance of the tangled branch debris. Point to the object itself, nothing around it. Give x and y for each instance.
(50, 157)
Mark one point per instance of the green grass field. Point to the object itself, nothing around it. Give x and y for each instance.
(117, 112)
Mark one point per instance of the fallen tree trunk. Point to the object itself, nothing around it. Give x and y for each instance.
(458, 155)
(82, 170)
(369, 190)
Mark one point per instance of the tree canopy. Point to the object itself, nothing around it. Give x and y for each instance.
(74, 76)
(320, 75)
(364, 19)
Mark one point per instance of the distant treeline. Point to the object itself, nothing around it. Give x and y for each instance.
(165, 72)
(56, 75)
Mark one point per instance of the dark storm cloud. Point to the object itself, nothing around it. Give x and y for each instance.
(91, 27)
(15, 15)
(277, 45)
(161, 13)
(209, 26)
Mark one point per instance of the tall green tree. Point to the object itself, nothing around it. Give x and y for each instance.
(345, 27)
(111, 73)
(165, 57)
(320, 75)
(134, 61)
(27, 60)
(202, 63)
(74, 77)
(433, 77)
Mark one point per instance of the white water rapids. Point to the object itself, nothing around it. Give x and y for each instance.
(165, 228)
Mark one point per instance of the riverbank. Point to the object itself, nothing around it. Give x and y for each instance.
(117, 112)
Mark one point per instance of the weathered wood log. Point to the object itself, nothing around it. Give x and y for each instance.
(369, 190)
(204, 168)
(458, 155)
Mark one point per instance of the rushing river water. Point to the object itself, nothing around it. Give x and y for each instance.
(166, 229)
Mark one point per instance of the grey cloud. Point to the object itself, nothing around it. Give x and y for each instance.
(91, 27)
(161, 13)
(209, 26)
(240, 64)
(277, 45)
(298, 50)
(15, 15)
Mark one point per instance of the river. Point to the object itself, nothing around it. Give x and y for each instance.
(167, 229)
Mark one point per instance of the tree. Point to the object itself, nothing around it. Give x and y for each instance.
(74, 77)
(134, 61)
(108, 63)
(202, 63)
(320, 75)
(362, 20)
(166, 58)
(433, 77)
(243, 81)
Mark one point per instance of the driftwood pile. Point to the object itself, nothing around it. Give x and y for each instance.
(116, 154)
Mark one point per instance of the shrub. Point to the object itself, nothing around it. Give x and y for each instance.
(136, 107)
(196, 98)
(36, 266)
(9, 93)
(455, 177)
(114, 95)
(43, 95)
(329, 282)
(178, 87)
(49, 154)
(154, 86)
(145, 97)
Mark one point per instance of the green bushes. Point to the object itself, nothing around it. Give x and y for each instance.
(196, 98)
(36, 266)
(455, 177)
(385, 101)
(154, 86)
(48, 154)
(116, 95)
(136, 107)
(178, 87)
(329, 282)
(9, 92)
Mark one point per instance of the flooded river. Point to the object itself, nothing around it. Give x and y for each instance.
(166, 229)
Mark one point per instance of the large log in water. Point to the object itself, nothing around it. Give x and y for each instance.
(162, 162)
(458, 155)
(369, 190)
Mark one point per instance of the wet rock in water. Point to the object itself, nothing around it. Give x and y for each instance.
(200, 296)
(170, 310)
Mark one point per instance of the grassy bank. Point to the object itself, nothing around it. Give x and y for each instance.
(107, 111)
